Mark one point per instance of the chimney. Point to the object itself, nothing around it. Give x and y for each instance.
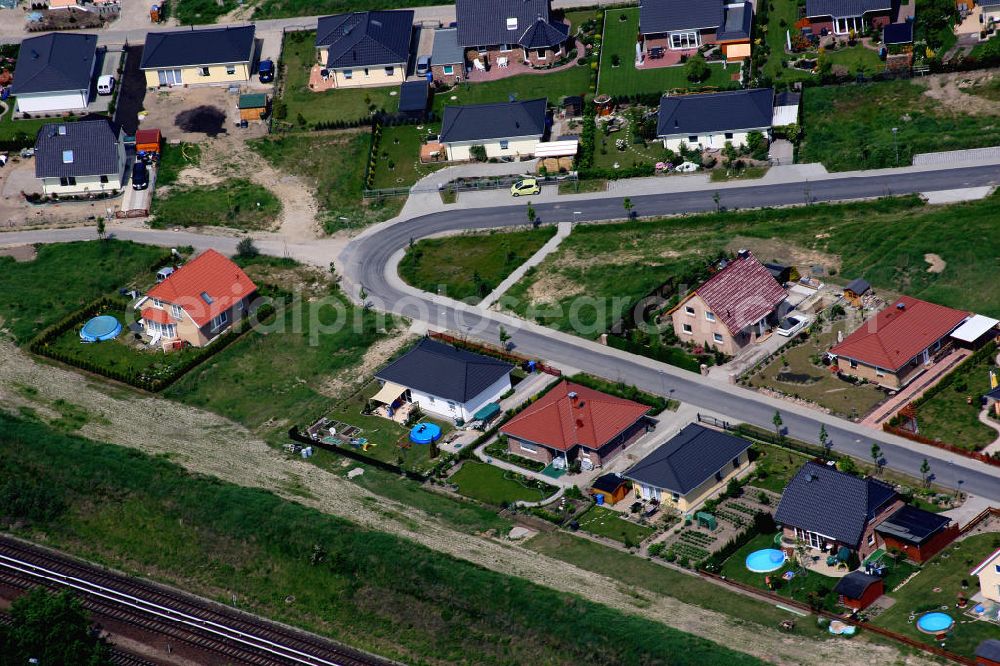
(901, 305)
(743, 253)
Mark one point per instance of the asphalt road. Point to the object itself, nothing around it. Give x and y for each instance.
(369, 261)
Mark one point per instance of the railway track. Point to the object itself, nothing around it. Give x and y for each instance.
(236, 636)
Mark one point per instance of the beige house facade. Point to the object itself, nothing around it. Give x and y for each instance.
(988, 572)
(365, 49)
(209, 56)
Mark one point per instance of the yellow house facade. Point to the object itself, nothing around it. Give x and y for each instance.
(198, 75)
(988, 572)
(212, 56)
(362, 77)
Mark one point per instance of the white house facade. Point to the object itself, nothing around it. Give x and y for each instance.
(454, 409)
(515, 147)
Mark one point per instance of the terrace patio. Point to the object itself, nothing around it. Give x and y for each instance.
(505, 66)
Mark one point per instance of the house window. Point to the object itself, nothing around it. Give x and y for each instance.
(230, 69)
(504, 144)
(104, 179)
(451, 405)
(540, 53)
(879, 372)
(157, 303)
(718, 476)
(689, 310)
(177, 311)
(692, 139)
(686, 328)
(710, 316)
(530, 448)
(684, 40)
(204, 71)
(67, 181)
(449, 70)
(430, 399)
(505, 48)
(220, 321)
(348, 73)
(675, 496)
(997, 567)
(389, 71)
(729, 135)
(717, 337)
(871, 539)
(736, 462)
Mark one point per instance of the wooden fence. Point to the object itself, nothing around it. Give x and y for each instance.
(492, 350)
(975, 455)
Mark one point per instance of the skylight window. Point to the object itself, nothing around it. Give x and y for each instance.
(512, 23)
(205, 297)
(62, 130)
(67, 156)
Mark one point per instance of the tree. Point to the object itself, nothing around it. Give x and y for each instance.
(824, 440)
(52, 629)
(532, 216)
(777, 423)
(101, 228)
(363, 295)
(696, 69)
(628, 206)
(877, 457)
(246, 248)
(757, 145)
(925, 472)
(504, 337)
(730, 153)
(718, 201)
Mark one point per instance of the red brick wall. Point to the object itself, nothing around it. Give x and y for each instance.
(549, 56)
(871, 594)
(866, 549)
(921, 554)
(541, 454)
(448, 79)
(817, 24)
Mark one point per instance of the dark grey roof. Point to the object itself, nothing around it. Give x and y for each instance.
(823, 500)
(913, 525)
(608, 483)
(54, 63)
(502, 120)
(715, 112)
(786, 98)
(413, 95)
(858, 286)
(994, 393)
(989, 649)
(190, 48)
(542, 35)
(738, 23)
(94, 147)
(446, 50)
(898, 33)
(854, 584)
(484, 22)
(845, 8)
(688, 459)
(667, 15)
(445, 371)
(360, 39)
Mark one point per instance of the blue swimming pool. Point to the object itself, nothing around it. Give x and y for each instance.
(935, 623)
(765, 561)
(425, 433)
(104, 327)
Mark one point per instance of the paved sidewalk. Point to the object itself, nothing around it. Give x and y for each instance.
(916, 388)
(562, 232)
(971, 508)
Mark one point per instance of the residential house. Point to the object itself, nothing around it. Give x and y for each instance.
(504, 129)
(207, 56)
(573, 422)
(686, 470)
(447, 57)
(686, 25)
(198, 302)
(516, 30)
(988, 572)
(825, 510)
(711, 120)
(365, 48)
(897, 344)
(611, 488)
(443, 380)
(916, 533)
(54, 73)
(988, 652)
(80, 158)
(846, 17)
(858, 590)
(732, 309)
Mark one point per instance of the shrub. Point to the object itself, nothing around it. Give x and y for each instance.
(696, 69)
(246, 249)
(478, 152)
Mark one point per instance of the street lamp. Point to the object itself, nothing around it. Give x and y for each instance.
(895, 143)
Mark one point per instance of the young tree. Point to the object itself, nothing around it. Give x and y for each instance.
(532, 216)
(101, 228)
(628, 206)
(504, 337)
(877, 457)
(824, 440)
(696, 69)
(777, 423)
(925, 472)
(717, 198)
(363, 296)
(50, 629)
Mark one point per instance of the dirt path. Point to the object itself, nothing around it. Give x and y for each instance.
(208, 444)
(951, 91)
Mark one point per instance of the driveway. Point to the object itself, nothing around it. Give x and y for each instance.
(131, 91)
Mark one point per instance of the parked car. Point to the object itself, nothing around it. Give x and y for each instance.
(105, 84)
(525, 186)
(423, 65)
(789, 326)
(140, 176)
(265, 71)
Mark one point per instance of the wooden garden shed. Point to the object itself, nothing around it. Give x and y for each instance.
(253, 106)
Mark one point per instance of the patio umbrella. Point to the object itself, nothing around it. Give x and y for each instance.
(843, 554)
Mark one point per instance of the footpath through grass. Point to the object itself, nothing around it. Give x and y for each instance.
(470, 266)
(369, 589)
(236, 203)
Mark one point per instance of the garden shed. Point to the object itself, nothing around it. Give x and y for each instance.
(253, 106)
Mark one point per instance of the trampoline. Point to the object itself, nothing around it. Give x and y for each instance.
(104, 327)
(425, 433)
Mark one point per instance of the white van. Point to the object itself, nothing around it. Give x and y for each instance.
(105, 84)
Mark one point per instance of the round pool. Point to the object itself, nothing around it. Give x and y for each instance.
(766, 560)
(935, 623)
(425, 433)
(104, 327)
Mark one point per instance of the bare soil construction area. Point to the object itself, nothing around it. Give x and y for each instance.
(208, 444)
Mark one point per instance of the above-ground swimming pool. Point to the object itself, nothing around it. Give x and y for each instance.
(935, 623)
(766, 560)
(104, 327)
(425, 433)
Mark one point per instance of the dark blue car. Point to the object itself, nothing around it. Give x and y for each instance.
(265, 72)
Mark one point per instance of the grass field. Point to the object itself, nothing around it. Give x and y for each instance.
(85, 270)
(236, 203)
(939, 584)
(398, 160)
(619, 38)
(469, 266)
(147, 516)
(553, 86)
(174, 158)
(850, 126)
(607, 523)
(781, 17)
(269, 9)
(23, 131)
(775, 467)
(333, 164)
(493, 485)
(948, 416)
(200, 12)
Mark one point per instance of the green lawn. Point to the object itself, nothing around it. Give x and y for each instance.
(147, 516)
(270, 9)
(945, 573)
(856, 59)
(775, 467)
(22, 132)
(174, 158)
(850, 126)
(333, 164)
(949, 417)
(472, 265)
(619, 39)
(85, 270)
(200, 12)
(236, 203)
(398, 159)
(781, 18)
(607, 523)
(493, 485)
(553, 86)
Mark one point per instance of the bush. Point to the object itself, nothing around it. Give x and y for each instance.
(656, 549)
(696, 69)
(246, 249)
(478, 152)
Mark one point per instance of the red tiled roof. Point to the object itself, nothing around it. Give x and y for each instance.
(592, 419)
(157, 315)
(895, 335)
(209, 274)
(742, 293)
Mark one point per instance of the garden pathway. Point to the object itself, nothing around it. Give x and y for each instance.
(562, 232)
(917, 388)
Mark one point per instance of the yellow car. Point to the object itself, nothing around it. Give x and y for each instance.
(526, 186)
